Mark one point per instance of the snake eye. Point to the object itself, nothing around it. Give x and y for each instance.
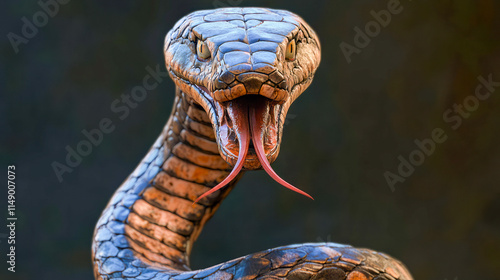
(202, 50)
(291, 50)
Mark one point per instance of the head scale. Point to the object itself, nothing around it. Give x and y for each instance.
(236, 62)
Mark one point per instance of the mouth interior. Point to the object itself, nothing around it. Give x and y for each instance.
(251, 148)
(249, 117)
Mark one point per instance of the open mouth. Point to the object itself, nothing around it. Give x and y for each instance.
(236, 124)
(248, 136)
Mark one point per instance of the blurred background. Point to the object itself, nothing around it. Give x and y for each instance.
(361, 115)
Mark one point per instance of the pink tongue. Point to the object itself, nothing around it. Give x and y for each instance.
(255, 120)
(255, 117)
(243, 138)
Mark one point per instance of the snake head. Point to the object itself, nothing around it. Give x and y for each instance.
(245, 67)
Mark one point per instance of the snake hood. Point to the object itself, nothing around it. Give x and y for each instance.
(245, 67)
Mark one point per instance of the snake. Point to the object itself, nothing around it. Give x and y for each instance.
(236, 72)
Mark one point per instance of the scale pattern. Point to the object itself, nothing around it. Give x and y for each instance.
(148, 228)
(245, 42)
(117, 254)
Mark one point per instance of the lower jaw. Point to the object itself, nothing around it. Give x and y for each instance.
(249, 125)
(251, 160)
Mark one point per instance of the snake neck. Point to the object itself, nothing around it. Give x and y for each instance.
(161, 222)
(148, 228)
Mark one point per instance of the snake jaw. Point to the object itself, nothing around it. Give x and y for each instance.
(224, 116)
(245, 119)
(233, 121)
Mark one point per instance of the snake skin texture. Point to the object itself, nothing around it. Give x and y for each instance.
(148, 228)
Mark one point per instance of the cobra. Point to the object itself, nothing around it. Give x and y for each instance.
(236, 71)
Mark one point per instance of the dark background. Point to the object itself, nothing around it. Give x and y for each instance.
(343, 133)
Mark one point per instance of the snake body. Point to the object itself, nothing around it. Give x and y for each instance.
(237, 71)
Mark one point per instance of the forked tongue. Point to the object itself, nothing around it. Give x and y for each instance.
(245, 114)
(243, 133)
(257, 127)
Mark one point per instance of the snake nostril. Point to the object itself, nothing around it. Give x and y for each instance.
(227, 77)
(219, 84)
(283, 85)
